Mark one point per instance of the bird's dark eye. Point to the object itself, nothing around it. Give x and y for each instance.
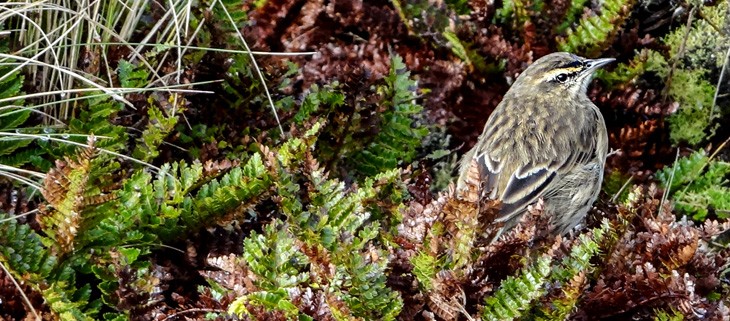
(561, 78)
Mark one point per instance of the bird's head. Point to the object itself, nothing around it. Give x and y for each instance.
(560, 73)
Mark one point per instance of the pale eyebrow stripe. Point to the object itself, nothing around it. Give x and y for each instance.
(552, 73)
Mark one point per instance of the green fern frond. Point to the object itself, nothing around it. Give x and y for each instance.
(292, 152)
(12, 116)
(329, 96)
(363, 280)
(179, 199)
(671, 315)
(94, 118)
(23, 252)
(274, 257)
(10, 85)
(156, 205)
(159, 124)
(131, 76)
(399, 134)
(391, 193)
(518, 12)
(158, 128)
(593, 33)
(700, 203)
(271, 300)
(67, 304)
(581, 254)
(236, 188)
(457, 47)
(27, 258)
(31, 155)
(698, 184)
(576, 7)
(221, 10)
(683, 171)
(517, 294)
(424, 269)
(327, 239)
(624, 73)
(570, 273)
(334, 214)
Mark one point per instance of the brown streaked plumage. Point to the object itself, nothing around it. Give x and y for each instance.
(545, 139)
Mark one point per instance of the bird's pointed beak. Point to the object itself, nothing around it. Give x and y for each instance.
(594, 64)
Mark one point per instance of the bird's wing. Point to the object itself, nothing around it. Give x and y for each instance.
(519, 179)
(516, 186)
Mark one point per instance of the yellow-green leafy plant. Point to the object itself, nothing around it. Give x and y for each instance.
(698, 185)
(696, 51)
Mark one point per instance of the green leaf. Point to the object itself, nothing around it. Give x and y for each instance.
(131, 76)
(130, 254)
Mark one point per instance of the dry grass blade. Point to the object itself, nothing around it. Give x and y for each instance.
(665, 196)
(18, 216)
(621, 190)
(259, 74)
(122, 156)
(22, 294)
(74, 75)
(719, 82)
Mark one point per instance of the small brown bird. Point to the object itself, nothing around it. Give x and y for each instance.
(545, 139)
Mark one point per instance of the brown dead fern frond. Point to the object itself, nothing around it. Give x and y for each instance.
(658, 263)
(461, 224)
(65, 190)
(447, 299)
(231, 273)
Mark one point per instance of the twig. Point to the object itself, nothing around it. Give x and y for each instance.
(175, 315)
(680, 52)
(719, 83)
(710, 22)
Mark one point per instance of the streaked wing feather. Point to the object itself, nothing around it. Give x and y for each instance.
(489, 170)
(519, 188)
(521, 191)
(526, 183)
